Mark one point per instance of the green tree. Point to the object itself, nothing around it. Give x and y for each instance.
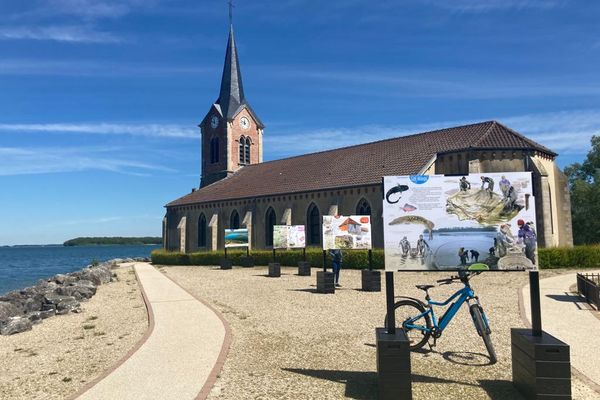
(584, 182)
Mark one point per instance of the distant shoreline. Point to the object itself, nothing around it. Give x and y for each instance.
(113, 241)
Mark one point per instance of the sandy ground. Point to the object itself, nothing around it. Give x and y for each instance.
(62, 353)
(291, 343)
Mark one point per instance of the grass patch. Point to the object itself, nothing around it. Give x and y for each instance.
(66, 379)
(92, 318)
(88, 326)
(99, 333)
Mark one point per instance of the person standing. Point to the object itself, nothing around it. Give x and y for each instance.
(490, 183)
(405, 246)
(475, 255)
(422, 246)
(462, 256)
(336, 255)
(464, 184)
(527, 236)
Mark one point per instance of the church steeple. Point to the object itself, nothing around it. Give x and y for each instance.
(232, 133)
(231, 97)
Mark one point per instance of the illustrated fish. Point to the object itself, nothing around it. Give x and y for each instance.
(408, 207)
(394, 190)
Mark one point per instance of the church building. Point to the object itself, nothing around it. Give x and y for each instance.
(239, 190)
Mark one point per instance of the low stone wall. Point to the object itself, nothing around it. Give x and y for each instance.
(61, 294)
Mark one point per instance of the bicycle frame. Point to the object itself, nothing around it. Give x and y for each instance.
(464, 295)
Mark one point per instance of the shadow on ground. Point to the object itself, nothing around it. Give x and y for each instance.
(363, 385)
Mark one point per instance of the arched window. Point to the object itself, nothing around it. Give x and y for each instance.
(202, 231)
(242, 150)
(270, 221)
(247, 150)
(363, 207)
(313, 225)
(234, 220)
(214, 150)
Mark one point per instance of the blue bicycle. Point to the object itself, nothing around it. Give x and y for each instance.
(418, 320)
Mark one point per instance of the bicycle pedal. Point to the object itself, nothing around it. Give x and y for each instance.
(431, 346)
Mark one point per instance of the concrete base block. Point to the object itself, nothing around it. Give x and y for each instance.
(274, 270)
(325, 282)
(393, 365)
(371, 280)
(226, 263)
(541, 365)
(303, 268)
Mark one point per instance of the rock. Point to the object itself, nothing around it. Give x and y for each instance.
(66, 305)
(15, 325)
(49, 307)
(7, 310)
(47, 313)
(34, 303)
(35, 317)
(55, 298)
(62, 279)
(82, 289)
(98, 275)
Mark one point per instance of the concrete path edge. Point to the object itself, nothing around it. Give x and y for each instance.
(132, 351)
(212, 377)
(227, 340)
(580, 375)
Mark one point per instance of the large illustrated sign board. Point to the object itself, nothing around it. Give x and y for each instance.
(353, 232)
(236, 238)
(289, 237)
(475, 222)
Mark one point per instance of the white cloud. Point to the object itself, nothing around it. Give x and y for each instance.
(94, 68)
(565, 132)
(451, 84)
(71, 34)
(151, 130)
(27, 161)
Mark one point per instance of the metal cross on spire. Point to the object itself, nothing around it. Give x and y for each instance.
(230, 2)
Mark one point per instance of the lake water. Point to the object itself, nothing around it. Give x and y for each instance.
(23, 266)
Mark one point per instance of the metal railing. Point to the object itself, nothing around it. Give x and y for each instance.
(588, 286)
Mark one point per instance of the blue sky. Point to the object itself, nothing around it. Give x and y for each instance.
(99, 99)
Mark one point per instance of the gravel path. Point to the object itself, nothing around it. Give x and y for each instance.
(61, 354)
(291, 343)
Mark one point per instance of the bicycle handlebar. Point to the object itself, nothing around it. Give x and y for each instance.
(465, 275)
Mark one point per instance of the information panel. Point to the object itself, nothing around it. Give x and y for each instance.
(289, 237)
(352, 232)
(475, 222)
(236, 238)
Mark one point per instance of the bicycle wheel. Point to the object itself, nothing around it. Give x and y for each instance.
(403, 311)
(483, 330)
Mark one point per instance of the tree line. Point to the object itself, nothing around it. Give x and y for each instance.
(584, 184)
(117, 240)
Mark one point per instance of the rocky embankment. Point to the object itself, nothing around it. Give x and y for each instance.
(61, 294)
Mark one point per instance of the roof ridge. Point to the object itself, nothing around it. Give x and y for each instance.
(493, 123)
(376, 141)
(526, 139)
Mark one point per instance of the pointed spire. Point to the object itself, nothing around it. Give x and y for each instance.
(231, 96)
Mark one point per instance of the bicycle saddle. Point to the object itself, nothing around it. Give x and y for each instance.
(424, 287)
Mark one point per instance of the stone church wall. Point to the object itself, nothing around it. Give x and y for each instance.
(346, 200)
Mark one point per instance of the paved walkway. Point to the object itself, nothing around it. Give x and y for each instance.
(177, 358)
(568, 317)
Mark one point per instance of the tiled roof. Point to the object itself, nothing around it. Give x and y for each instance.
(362, 164)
